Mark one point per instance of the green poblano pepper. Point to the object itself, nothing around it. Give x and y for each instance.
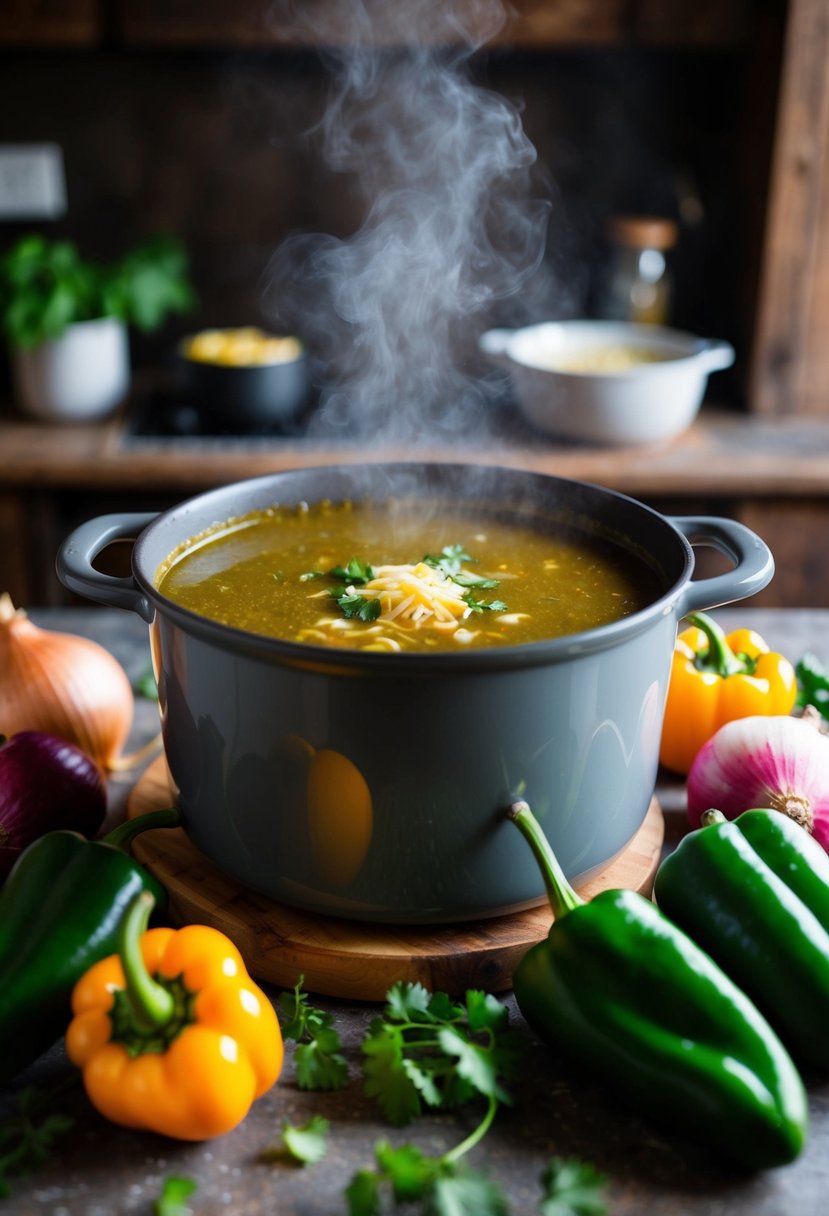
(630, 997)
(60, 909)
(754, 893)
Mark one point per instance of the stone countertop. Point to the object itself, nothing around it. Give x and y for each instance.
(98, 1169)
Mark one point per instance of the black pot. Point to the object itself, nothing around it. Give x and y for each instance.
(259, 397)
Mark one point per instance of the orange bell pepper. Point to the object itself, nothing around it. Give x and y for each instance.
(714, 679)
(171, 1033)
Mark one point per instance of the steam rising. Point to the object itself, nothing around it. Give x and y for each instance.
(444, 170)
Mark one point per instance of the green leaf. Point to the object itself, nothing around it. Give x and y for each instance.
(572, 1188)
(318, 1068)
(356, 571)
(308, 1143)
(485, 1012)
(406, 1168)
(174, 1195)
(386, 1078)
(357, 607)
(475, 1064)
(144, 685)
(408, 1002)
(450, 564)
(812, 684)
(478, 605)
(467, 1192)
(318, 1057)
(363, 1194)
(29, 1132)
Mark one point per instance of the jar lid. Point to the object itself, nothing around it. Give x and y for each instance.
(643, 231)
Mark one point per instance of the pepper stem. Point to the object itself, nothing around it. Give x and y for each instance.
(152, 1005)
(563, 898)
(708, 818)
(123, 836)
(719, 657)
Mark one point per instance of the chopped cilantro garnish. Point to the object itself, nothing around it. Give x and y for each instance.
(450, 561)
(356, 571)
(484, 605)
(356, 607)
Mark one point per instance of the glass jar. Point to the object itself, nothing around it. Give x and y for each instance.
(636, 284)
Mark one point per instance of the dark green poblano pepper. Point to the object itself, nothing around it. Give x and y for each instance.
(754, 893)
(60, 910)
(626, 994)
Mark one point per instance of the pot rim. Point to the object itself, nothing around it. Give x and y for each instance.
(308, 655)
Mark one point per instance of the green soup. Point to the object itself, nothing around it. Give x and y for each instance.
(404, 575)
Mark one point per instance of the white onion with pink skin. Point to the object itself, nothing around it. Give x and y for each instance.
(778, 762)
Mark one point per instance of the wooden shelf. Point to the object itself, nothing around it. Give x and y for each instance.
(723, 455)
(258, 24)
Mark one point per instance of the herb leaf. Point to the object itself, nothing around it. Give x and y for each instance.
(430, 1049)
(357, 607)
(450, 563)
(478, 605)
(318, 1057)
(174, 1195)
(356, 572)
(813, 684)
(572, 1188)
(29, 1132)
(307, 1144)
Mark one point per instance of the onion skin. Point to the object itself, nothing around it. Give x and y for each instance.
(46, 783)
(63, 685)
(777, 762)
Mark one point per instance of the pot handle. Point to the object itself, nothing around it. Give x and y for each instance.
(81, 547)
(495, 344)
(715, 355)
(753, 562)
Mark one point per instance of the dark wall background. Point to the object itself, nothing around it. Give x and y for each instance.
(218, 148)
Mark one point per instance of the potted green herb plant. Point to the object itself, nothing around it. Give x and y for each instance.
(66, 320)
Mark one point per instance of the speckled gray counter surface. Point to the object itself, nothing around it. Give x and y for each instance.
(98, 1169)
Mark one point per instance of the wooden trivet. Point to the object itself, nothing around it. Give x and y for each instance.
(351, 959)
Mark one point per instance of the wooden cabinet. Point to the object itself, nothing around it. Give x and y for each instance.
(51, 23)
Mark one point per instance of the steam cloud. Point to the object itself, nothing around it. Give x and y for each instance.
(445, 172)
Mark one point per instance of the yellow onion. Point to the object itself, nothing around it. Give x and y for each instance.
(64, 685)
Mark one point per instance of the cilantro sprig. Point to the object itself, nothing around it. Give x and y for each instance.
(304, 1144)
(572, 1188)
(174, 1195)
(427, 1050)
(450, 563)
(318, 1056)
(29, 1132)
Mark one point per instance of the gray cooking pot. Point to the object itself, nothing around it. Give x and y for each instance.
(373, 786)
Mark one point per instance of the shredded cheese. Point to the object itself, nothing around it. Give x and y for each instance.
(420, 594)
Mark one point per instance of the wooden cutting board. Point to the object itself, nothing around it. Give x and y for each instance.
(351, 959)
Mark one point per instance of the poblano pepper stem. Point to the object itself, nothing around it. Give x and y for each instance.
(123, 835)
(152, 1005)
(719, 657)
(563, 898)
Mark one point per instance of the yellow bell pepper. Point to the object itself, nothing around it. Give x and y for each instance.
(714, 679)
(171, 1033)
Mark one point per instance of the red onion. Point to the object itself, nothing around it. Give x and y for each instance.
(45, 783)
(776, 761)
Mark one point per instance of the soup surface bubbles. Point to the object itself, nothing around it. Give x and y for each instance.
(405, 575)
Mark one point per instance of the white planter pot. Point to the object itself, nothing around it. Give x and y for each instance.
(82, 375)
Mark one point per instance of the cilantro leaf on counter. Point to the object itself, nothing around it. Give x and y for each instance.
(318, 1057)
(307, 1143)
(813, 684)
(572, 1188)
(29, 1132)
(429, 1050)
(174, 1195)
